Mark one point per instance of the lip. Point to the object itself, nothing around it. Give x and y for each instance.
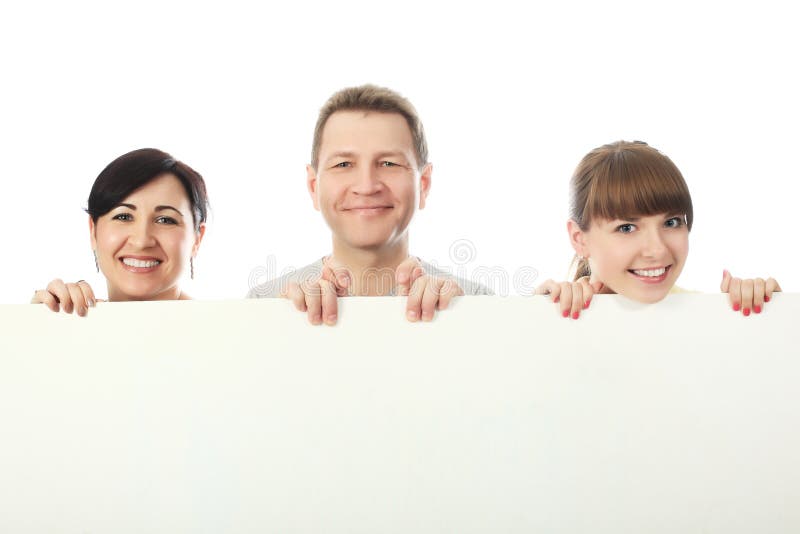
(651, 279)
(140, 270)
(367, 210)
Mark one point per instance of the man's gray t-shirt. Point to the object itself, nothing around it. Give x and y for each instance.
(274, 288)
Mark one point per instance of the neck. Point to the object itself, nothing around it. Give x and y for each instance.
(172, 293)
(372, 271)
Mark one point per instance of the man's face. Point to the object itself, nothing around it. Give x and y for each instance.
(367, 183)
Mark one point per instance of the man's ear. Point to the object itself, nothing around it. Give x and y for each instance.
(311, 183)
(198, 237)
(92, 233)
(424, 184)
(577, 238)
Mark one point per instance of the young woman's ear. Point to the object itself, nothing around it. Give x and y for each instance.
(577, 238)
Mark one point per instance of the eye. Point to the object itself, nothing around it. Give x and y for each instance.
(626, 228)
(388, 164)
(122, 217)
(342, 165)
(674, 222)
(166, 220)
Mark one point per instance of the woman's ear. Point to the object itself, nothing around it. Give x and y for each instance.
(577, 238)
(92, 233)
(198, 237)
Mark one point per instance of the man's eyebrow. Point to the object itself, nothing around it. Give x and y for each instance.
(392, 153)
(162, 208)
(341, 154)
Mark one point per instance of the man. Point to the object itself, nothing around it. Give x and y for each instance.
(369, 173)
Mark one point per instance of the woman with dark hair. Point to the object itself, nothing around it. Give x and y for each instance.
(630, 217)
(147, 214)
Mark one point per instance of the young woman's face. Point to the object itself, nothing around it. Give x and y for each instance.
(640, 258)
(145, 243)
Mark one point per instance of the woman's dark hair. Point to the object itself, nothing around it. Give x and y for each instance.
(131, 171)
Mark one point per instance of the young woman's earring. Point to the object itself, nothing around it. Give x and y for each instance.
(191, 268)
(96, 266)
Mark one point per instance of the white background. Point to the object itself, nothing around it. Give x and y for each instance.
(512, 95)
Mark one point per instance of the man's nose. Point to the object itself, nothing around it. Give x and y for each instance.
(368, 181)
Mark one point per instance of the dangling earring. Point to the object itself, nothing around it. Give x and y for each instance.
(96, 266)
(191, 268)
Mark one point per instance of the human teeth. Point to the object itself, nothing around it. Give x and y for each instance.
(132, 262)
(650, 272)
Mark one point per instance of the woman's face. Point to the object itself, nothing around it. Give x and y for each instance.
(144, 244)
(640, 258)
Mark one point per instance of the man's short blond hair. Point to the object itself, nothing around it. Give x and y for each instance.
(371, 98)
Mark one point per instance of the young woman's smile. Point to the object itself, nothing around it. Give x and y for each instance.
(638, 257)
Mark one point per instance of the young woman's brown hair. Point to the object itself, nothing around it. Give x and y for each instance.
(622, 180)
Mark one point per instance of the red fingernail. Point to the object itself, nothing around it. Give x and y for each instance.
(736, 306)
(565, 313)
(757, 309)
(556, 300)
(575, 315)
(746, 312)
(586, 304)
(766, 298)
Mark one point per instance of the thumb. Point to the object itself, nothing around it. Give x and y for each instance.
(597, 286)
(336, 273)
(726, 281)
(405, 274)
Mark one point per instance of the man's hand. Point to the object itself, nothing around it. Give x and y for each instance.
(319, 297)
(425, 293)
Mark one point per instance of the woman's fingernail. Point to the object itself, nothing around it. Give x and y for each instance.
(556, 300)
(746, 312)
(586, 304)
(576, 314)
(766, 298)
(565, 313)
(756, 309)
(736, 306)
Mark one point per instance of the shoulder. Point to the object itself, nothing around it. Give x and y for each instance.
(275, 287)
(468, 286)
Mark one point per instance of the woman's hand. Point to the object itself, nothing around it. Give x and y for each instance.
(572, 297)
(66, 297)
(749, 293)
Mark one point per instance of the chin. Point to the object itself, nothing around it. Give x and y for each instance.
(649, 298)
(142, 293)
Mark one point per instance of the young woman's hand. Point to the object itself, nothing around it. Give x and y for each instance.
(748, 294)
(572, 297)
(66, 297)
